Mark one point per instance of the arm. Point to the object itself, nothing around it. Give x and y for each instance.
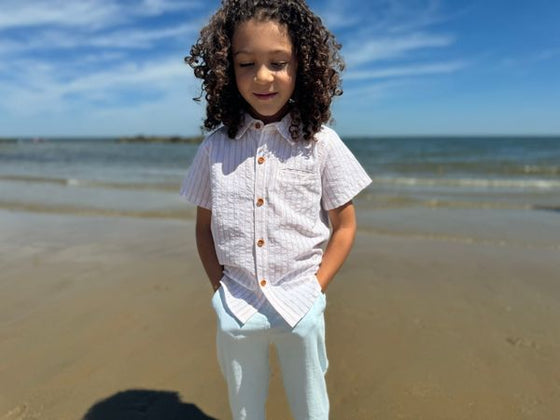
(343, 220)
(205, 246)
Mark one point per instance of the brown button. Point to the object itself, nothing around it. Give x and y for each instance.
(260, 243)
(257, 125)
(260, 160)
(263, 282)
(260, 202)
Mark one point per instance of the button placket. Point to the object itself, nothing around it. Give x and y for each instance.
(260, 212)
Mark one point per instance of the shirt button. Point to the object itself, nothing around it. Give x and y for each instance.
(260, 243)
(263, 282)
(257, 125)
(260, 202)
(261, 160)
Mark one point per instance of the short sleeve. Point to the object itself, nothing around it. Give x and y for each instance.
(196, 185)
(342, 175)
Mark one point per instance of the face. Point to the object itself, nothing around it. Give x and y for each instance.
(265, 67)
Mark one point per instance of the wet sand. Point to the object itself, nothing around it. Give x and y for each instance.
(110, 318)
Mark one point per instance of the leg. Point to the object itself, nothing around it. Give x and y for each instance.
(303, 360)
(243, 358)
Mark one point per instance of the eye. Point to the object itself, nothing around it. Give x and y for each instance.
(245, 64)
(279, 65)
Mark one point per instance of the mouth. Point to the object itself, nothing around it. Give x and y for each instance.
(265, 96)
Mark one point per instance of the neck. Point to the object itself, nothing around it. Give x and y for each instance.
(268, 119)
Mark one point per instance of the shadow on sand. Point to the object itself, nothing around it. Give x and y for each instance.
(144, 405)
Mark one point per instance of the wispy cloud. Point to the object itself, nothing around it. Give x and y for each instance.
(522, 62)
(547, 54)
(385, 47)
(97, 57)
(119, 84)
(386, 16)
(413, 70)
(357, 96)
(94, 14)
(105, 64)
(387, 39)
(135, 38)
(72, 55)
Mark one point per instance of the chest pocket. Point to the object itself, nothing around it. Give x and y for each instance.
(299, 190)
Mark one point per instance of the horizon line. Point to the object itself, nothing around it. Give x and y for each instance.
(355, 136)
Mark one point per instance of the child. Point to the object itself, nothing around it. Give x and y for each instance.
(266, 184)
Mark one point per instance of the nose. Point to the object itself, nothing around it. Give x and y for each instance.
(263, 75)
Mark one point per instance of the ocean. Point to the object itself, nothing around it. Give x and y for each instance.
(106, 177)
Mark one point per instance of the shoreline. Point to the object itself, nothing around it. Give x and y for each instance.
(417, 328)
(519, 227)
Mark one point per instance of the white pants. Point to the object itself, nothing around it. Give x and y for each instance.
(243, 357)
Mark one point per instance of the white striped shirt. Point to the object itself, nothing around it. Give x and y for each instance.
(269, 198)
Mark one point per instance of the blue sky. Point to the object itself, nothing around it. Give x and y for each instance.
(115, 67)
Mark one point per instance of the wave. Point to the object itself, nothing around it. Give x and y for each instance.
(178, 214)
(189, 214)
(480, 183)
(481, 169)
(540, 170)
(457, 238)
(75, 182)
(396, 202)
(522, 184)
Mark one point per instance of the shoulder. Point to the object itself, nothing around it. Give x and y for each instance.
(327, 136)
(326, 133)
(219, 134)
(327, 139)
(214, 137)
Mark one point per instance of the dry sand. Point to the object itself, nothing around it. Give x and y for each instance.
(110, 318)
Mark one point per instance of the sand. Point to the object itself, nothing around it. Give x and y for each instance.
(110, 318)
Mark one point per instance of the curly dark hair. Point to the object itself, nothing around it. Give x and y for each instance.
(318, 71)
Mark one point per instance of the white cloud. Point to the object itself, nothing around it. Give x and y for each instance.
(522, 62)
(177, 113)
(95, 13)
(105, 64)
(44, 91)
(125, 39)
(412, 16)
(547, 54)
(85, 14)
(47, 106)
(152, 73)
(141, 38)
(413, 70)
(174, 113)
(384, 16)
(157, 7)
(53, 38)
(357, 95)
(383, 48)
(42, 78)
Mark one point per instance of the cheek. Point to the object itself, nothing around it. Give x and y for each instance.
(290, 80)
(292, 73)
(242, 80)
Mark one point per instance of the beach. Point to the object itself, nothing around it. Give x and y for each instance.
(447, 307)
(109, 317)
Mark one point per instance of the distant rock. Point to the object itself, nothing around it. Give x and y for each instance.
(160, 139)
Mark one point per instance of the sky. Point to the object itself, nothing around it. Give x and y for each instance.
(414, 67)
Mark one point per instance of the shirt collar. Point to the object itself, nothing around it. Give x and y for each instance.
(282, 126)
